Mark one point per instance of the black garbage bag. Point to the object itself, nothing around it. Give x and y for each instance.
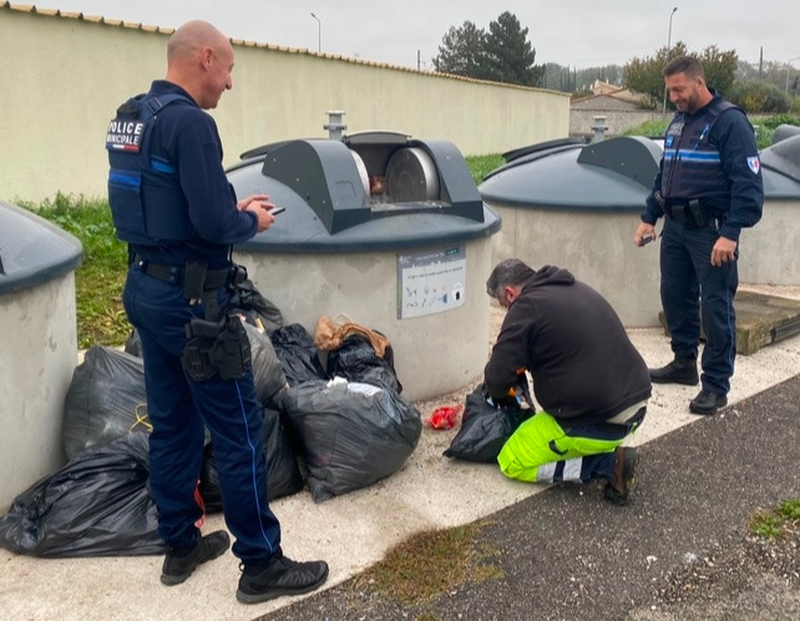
(105, 400)
(97, 505)
(298, 354)
(284, 478)
(352, 434)
(356, 361)
(133, 344)
(485, 428)
(248, 301)
(267, 368)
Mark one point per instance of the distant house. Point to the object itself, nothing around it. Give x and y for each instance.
(620, 107)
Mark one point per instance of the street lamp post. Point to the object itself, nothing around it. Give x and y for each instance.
(669, 46)
(788, 67)
(319, 33)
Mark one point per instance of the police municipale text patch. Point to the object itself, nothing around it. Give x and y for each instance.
(124, 135)
(754, 164)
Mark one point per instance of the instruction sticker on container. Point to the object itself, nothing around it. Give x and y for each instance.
(430, 282)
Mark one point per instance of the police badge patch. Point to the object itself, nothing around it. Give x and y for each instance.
(124, 135)
(754, 164)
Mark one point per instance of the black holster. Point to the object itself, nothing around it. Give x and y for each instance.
(216, 347)
(690, 214)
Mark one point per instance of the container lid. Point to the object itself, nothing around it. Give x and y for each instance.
(33, 250)
(416, 193)
(614, 174)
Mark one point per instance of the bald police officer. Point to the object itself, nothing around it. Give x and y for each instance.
(172, 203)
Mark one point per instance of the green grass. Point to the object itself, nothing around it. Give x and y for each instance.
(100, 278)
(651, 129)
(482, 165)
(431, 564)
(765, 128)
(776, 523)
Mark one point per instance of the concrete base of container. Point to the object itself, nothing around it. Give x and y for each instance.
(597, 247)
(37, 360)
(434, 354)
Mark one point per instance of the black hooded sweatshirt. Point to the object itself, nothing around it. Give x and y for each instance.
(584, 367)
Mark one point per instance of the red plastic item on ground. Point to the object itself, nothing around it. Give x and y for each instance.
(445, 417)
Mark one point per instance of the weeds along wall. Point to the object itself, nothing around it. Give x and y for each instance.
(63, 77)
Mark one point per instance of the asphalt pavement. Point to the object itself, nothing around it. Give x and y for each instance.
(567, 554)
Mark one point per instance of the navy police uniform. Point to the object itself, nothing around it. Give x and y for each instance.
(709, 186)
(172, 203)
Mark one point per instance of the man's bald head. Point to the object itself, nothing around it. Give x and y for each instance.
(188, 40)
(200, 60)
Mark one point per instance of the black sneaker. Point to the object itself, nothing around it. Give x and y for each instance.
(624, 477)
(281, 576)
(707, 402)
(679, 371)
(178, 568)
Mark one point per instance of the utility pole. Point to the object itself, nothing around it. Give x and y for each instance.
(669, 47)
(319, 33)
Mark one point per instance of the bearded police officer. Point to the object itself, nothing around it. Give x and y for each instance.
(708, 189)
(172, 203)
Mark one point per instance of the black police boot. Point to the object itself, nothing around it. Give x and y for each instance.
(179, 566)
(280, 576)
(707, 402)
(679, 371)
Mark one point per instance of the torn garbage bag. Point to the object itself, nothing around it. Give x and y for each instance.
(485, 427)
(352, 434)
(283, 478)
(106, 399)
(97, 505)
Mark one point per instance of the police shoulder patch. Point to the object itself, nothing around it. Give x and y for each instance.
(124, 135)
(754, 164)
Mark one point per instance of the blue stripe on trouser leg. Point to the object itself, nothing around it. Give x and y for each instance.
(177, 407)
(541, 451)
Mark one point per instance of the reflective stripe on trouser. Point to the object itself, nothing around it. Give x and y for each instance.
(178, 408)
(690, 288)
(541, 451)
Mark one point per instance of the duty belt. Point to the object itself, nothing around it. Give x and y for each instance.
(176, 275)
(688, 213)
(198, 282)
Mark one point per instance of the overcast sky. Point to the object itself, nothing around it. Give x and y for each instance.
(568, 32)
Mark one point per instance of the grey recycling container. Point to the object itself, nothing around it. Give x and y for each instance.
(386, 231)
(38, 347)
(577, 205)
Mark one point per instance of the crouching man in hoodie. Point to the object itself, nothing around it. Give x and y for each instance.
(588, 378)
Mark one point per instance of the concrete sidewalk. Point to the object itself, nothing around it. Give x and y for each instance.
(354, 531)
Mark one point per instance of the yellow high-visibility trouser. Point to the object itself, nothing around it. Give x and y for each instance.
(539, 442)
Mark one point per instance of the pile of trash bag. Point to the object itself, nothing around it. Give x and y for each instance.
(106, 400)
(99, 504)
(336, 429)
(352, 434)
